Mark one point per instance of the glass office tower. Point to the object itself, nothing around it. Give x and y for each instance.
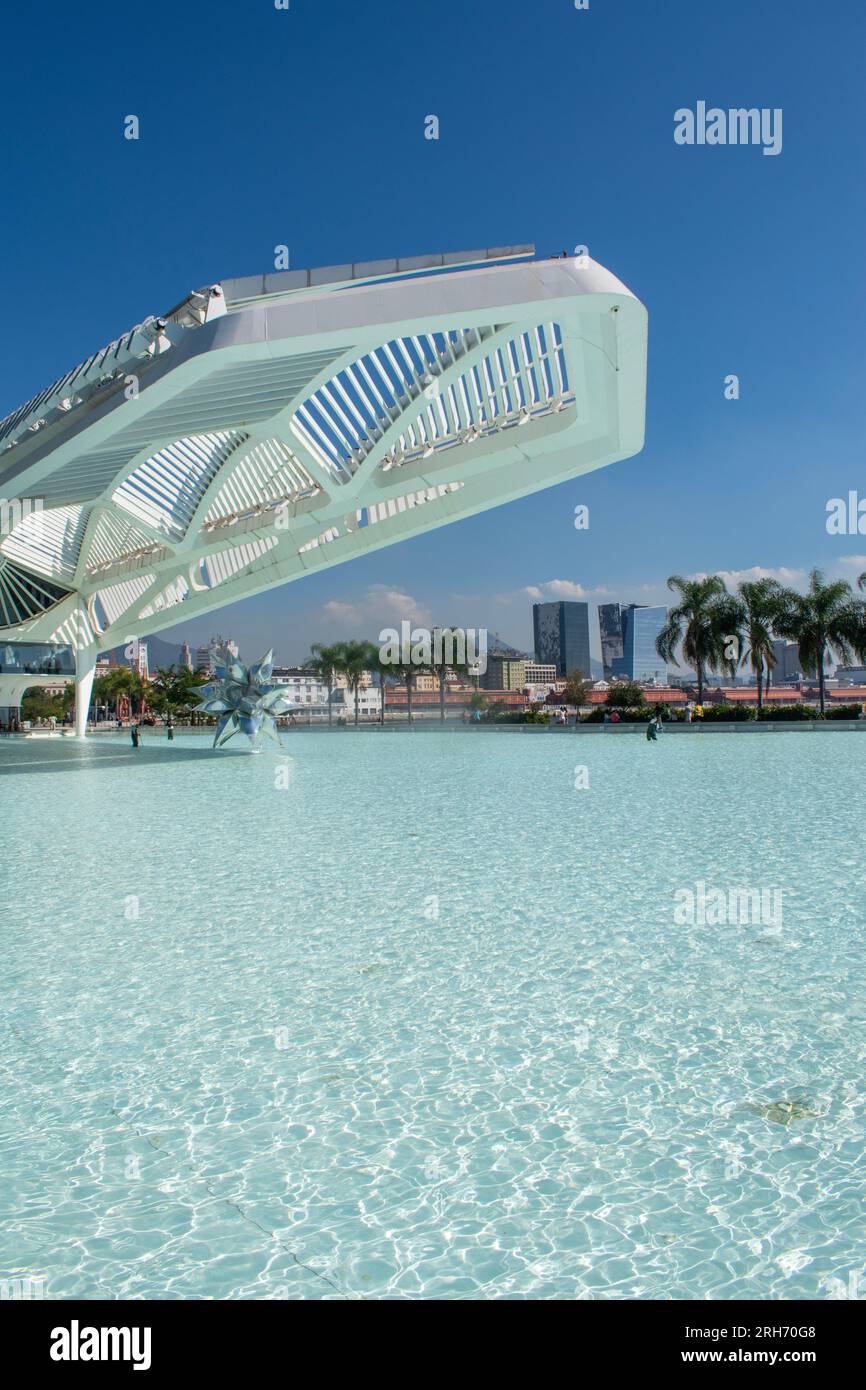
(640, 660)
(610, 630)
(562, 636)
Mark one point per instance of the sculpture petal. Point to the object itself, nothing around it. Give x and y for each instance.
(273, 697)
(261, 670)
(270, 731)
(227, 727)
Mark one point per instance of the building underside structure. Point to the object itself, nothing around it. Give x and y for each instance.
(272, 426)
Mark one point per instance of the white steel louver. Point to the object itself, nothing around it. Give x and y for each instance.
(225, 564)
(24, 595)
(267, 475)
(346, 417)
(115, 540)
(381, 511)
(165, 490)
(520, 380)
(48, 540)
(116, 599)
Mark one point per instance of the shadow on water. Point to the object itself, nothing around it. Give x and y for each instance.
(66, 755)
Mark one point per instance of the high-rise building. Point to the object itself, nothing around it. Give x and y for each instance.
(136, 658)
(610, 629)
(786, 663)
(504, 672)
(562, 636)
(640, 661)
(186, 657)
(205, 657)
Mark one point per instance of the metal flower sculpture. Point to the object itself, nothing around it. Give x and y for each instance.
(242, 696)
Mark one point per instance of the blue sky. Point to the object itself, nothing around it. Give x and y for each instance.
(305, 127)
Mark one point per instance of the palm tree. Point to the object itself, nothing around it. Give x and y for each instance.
(117, 683)
(759, 603)
(408, 673)
(441, 667)
(702, 621)
(325, 663)
(354, 659)
(383, 669)
(828, 620)
(164, 689)
(171, 689)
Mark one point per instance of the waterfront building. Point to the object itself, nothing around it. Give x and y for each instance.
(304, 686)
(561, 634)
(504, 672)
(206, 655)
(610, 629)
(786, 666)
(628, 642)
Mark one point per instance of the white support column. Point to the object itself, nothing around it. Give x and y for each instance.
(85, 666)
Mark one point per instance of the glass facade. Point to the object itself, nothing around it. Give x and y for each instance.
(36, 659)
(610, 631)
(640, 661)
(561, 632)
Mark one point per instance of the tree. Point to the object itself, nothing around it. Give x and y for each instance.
(445, 638)
(828, 620)
(383, 670)
(577, 688)
(172, 690)
(409, 673)
(38, 704)
(354, 660)
(702, 621)
(478, 703)
(759, 605)
(325, 663)
(117, 683)
(624, 695)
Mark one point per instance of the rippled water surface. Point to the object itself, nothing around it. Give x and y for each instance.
(421, 1021)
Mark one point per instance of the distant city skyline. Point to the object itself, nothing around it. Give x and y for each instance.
(332, 620)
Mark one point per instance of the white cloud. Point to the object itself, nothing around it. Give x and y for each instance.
(851, 566)
(790, 577)
(554, 589)
(380, 604)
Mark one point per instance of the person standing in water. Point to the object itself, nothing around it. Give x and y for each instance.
(134, 735)
(170, 731)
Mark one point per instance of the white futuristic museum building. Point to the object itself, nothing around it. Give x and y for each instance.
(271, 426)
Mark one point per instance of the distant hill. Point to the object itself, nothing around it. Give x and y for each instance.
(495, 643)
(159, 653)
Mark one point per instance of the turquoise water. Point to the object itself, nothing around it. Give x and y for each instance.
(420, 1022)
